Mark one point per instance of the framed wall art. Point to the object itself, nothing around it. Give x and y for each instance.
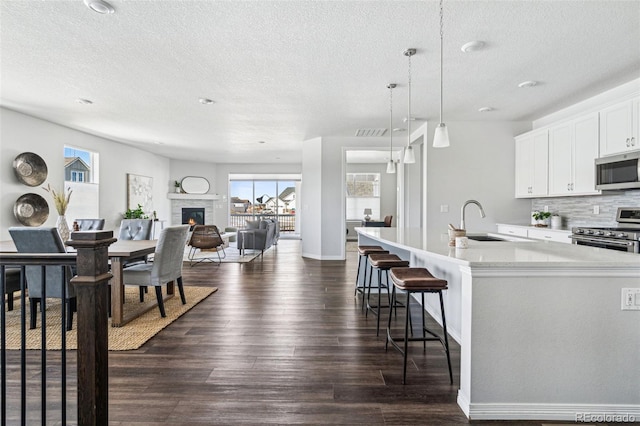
(140, 191)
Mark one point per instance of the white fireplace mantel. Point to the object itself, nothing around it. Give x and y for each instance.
(181, 196)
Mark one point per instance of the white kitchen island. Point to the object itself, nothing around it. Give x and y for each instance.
(540, 324)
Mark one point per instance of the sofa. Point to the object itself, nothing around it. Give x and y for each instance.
(263, 234)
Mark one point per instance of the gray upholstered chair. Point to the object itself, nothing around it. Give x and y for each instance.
(45, 240)
(166, 266)
(261, 237)
(11, 285)
(90, 224)
(205, 237)
(135, 229)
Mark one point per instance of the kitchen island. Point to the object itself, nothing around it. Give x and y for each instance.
(540, 324)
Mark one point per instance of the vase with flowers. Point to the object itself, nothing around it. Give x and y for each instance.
(61, 202)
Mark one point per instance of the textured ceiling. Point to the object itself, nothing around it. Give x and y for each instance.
(286, 71)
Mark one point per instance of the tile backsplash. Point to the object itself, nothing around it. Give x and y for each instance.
(578, 211)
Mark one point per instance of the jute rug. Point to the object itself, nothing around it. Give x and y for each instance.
(128, 337)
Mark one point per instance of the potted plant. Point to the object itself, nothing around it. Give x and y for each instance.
(136, 213)
(541, 218)
(176, 185)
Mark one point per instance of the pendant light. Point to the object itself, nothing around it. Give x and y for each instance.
(409, 157)
(391, 166)
(441, 136)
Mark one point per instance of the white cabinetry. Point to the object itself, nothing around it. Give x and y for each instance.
(518, 231)
(546, 234)
(532, 161)
(573, 147)
(619, 127)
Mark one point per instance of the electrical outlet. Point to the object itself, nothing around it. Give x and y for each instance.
(444, 208)
(546, 208)
(596, 209)
(631, 299)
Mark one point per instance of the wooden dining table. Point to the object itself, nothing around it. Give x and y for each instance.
(119, 252)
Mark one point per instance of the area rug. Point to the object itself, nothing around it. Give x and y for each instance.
(128, 337)
(232, 255)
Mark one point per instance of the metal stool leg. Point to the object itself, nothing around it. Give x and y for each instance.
(406, 338)
(358, 274)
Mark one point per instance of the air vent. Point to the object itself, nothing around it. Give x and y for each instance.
(370, 132)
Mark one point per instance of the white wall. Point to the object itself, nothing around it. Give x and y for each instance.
(312, 204)
(478, 165)
(21, 133)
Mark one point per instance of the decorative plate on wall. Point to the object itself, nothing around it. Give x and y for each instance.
(31, 210)
(30, 169)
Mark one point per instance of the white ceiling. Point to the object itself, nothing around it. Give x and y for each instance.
(286, 71)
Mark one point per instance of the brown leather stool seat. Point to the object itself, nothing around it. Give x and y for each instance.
(364, 251)
(418, 280)
(381, 262)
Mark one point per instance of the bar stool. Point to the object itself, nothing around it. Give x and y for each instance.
(382, 262)
(364, 252)
(418, 280)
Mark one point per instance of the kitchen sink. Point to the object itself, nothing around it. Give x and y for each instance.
(484, 238)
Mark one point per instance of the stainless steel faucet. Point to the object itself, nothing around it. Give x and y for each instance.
(462, 226)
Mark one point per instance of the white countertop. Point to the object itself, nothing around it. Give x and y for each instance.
(515, 252)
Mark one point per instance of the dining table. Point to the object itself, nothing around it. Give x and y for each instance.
(119, 252)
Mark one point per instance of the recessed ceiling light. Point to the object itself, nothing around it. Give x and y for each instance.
(399, 129)
(528, 83)
(485, 109)
(261, 142)
(84, 101)
(472, 46)
(99, 6)
(206, 101)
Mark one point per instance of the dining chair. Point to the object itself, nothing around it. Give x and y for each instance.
(90, 224)
(135, 229)
(205, 237)
(387, 221)
(166, 266)
(57, 285)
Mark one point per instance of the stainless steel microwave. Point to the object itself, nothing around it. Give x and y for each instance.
(620, 171)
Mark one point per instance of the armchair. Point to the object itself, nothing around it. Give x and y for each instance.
(260, 238)
(45, 240)
(205, 237)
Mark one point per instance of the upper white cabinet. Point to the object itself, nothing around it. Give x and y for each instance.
(619, 127)
(532, 162)
(573, 147)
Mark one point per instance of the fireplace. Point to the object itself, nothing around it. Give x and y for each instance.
(193, 216)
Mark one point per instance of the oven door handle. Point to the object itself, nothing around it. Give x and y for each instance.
(612, 242)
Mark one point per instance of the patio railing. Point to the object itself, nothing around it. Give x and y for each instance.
(287, 221)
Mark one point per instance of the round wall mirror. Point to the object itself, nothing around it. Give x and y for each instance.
(194, 185)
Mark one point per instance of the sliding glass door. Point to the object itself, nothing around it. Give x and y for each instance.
(253, 199)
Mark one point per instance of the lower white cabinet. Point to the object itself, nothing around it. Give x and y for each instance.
(546, 234)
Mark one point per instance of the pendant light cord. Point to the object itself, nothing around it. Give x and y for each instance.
(409, 105)
(441, 56)
(391, 121)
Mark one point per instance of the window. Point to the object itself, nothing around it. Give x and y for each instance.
(81, 177)
(253, 199)
(77, 176)
(363, 192)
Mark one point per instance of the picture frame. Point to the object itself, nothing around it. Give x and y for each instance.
(140, 191)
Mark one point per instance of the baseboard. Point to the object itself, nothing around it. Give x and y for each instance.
(316, 257)
(582, 413)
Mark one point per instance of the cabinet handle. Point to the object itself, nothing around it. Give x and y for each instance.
(568, 187)
(628, 142)
(546, 236)
(633, 141)
(572, 187)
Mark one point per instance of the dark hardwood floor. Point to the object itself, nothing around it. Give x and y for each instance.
(283, 341)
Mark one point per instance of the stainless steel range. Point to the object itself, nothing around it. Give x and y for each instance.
(623, 238)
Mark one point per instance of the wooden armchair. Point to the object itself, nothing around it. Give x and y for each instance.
(205, 237)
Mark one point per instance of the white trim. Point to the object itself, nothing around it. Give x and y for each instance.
(548, 270)
(180, 196)
(320, 257)
(564, 412)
